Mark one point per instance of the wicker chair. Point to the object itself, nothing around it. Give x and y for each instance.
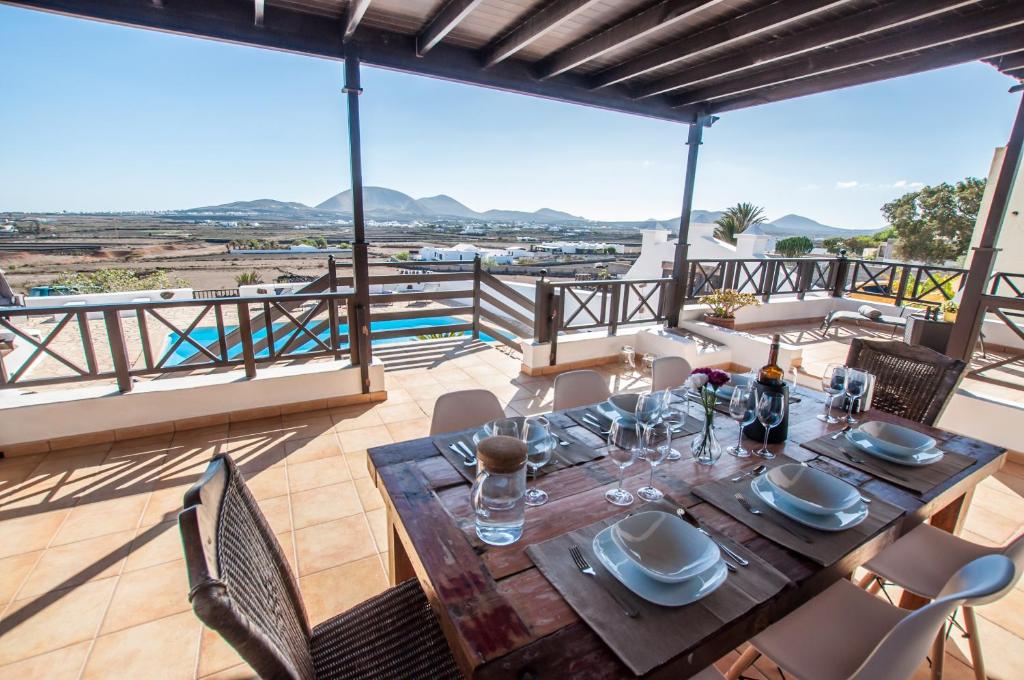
(242, 587)
(910, 381)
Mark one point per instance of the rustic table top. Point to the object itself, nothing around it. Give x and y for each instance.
(504, 619)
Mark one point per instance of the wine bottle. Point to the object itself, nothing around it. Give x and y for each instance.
(771, 380)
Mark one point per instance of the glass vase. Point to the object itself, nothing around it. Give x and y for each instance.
(705, 447)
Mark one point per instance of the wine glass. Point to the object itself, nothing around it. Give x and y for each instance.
(771, 408)
(833, 383)
(794, 370)
(648, 364)
(656, 443)
(856, 383)
(648, 411)
(676, 413)
(629, 358)
(539, 446)
(742, 409)
(623, 458)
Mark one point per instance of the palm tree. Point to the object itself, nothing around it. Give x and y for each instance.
(738, 219)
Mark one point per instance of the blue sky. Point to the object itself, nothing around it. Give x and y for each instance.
(100, 117)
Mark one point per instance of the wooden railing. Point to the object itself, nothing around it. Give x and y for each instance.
(1007, 285)
(215, 293)
(764, 278)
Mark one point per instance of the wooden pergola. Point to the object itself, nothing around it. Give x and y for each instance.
(685, 61)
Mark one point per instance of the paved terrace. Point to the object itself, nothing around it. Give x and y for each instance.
(92, 580)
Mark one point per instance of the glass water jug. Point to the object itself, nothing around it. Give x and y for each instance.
(498, 492)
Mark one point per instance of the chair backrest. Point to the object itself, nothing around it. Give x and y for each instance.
(903, 648)
(911, 381)
(579, 388)
(668, 373)
(240, 584)
(1014, 550)
(464, 409)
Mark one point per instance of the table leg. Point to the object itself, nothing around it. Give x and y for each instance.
(399, 567)
(950, 518)
(939, 653)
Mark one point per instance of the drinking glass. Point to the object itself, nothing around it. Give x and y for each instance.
(539, 446)
(656, 443)
(676, 414)
(648, 364)
(623, 458)
(629, 358)
(833, 383)
(771, 408)
(648, 411)
(856, 383)
(795, 372)
(742, 409)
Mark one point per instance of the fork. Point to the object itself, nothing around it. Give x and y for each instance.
(592, 421)
(584, 566)
(860, 461)
(749, 507)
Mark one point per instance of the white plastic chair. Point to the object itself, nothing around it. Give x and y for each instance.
(579, 388)
(845, 633)
(464, 409)
(922, 562)
(668, 373)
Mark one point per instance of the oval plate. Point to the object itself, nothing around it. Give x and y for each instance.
(862, 442)
(840, 521)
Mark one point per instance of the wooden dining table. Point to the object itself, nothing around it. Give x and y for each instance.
(502, 617)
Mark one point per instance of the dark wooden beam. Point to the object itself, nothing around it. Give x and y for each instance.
(881, 18)
(1009, 62)
(907, 42)
(657, 18)
(536, 25)
(989, 45)
(752, 23)
(258, 10)
(450, 16)
(356, 10)
(291, 31)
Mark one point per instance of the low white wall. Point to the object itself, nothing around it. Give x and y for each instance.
(991, 420)
(65, 413)
(745, 348)
(155, 295)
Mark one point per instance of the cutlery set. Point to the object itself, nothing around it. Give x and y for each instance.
(696, 523)
(461, 449)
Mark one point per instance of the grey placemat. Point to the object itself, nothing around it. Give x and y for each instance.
(658, 633)
(594, 414)
(918, 479)
(824, 547)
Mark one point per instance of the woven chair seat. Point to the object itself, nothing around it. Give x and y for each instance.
(393, 636)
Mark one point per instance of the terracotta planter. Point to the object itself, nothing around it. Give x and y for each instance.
(720, 321)
(949, 317)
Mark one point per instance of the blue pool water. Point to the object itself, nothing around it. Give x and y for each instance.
(207, 336)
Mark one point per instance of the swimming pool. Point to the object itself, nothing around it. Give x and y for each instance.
(207, 336)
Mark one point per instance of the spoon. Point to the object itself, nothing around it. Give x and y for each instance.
(841, 432)
(756, 472)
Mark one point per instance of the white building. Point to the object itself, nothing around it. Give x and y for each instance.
(580, 247)
(466, 252)
(657, 251)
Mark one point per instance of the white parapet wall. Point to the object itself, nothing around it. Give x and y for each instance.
(57, 414)
(83, 299)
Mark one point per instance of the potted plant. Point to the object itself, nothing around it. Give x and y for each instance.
(723, 305)
(949, 310)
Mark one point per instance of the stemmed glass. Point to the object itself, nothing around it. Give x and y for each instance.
(856, 383)
(623, 458)
(656, 442)
(539, 446)
(676, 414)
(648, 364)
(742, 409)
(629, 358)
(648, 411)
(833, 383)
(771, 408)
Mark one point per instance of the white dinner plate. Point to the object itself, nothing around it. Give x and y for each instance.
(839, 521)
(658, 592)
(862, 442)
(664, 547)
(810, 489)
(896, 440)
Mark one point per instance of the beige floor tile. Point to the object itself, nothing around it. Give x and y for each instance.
(409, 429)
(397, 395)
(61, 664)
(450, 375)
(368, 437)
(254, 427)
(165, 649)
(991, 525)
(72, 564)
(267, 483)
(1007, 613)
(240, 672)
(303, 451)
(1003, 651)
(30, 532)
(324, 503)
(13, 571)
(154, 545)
(347, 418)
(148, 594)
(277, 512)
(286, 539)
(369, 496)
(314, 473)
(426, 405)
(332, 591)
(396, 413)
(215, 654)
(88, 520)
(356, 461)
(330, 544)
(378, 520)
(44, 624)
(164, 504)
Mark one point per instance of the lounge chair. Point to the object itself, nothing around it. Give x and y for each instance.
(865, 313)
(8, 298)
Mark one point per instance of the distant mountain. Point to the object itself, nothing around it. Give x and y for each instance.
(446, 205)
(377, 201)
(797, 225)
(262, 205)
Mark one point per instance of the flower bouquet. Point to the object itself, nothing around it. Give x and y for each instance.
(705, 383)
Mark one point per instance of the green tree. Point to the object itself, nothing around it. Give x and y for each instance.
(834, 244)
(794, 246)
(857, 244)
(252, 278)
(118, 281)
(402, 256)
(738, 219)
(935, 223)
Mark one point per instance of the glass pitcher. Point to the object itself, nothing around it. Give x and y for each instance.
(498, 493)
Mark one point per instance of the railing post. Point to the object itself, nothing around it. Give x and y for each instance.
(840, 273)
(476, 297)
(542, 311)
(332, 306)
(118, 349)
(353, 346)
(557, 303)
(245, 329)
(768, 280)
(613, 308)
(729, 278)
(901, 292)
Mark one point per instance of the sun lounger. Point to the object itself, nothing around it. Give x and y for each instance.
(864, 313)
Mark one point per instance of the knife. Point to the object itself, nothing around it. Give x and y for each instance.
(694, 522)
(749, 507)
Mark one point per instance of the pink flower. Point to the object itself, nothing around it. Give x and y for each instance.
(711, 376)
